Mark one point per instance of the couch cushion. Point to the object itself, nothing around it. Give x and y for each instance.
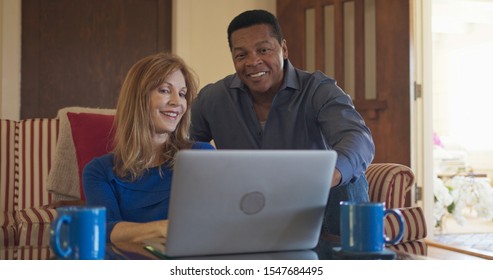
(63, 180)
(34, 226)
(93, 137)
(37, 142)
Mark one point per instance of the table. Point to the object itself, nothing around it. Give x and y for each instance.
(136, 251)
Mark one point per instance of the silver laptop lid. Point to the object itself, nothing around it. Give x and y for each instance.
(243, 201)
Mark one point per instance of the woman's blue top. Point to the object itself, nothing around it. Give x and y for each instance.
(143, 200)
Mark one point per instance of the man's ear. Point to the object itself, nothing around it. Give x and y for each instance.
(284, 48)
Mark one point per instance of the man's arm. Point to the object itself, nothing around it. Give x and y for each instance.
(199, 128)
(345, 132)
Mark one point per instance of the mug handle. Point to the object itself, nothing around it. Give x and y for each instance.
(55, 236)
(400, 220)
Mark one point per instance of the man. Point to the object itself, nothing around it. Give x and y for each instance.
(269, 104)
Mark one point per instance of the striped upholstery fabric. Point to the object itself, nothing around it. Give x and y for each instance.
(9, 253)
(8, 232)
(34, 253)
(417, 247)
(7, 159)
(34, 226)
(26, 253)
(389, 183)
(7, 178)
(37, 142)
(414, 223)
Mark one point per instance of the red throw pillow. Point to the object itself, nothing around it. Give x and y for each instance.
(93, 137)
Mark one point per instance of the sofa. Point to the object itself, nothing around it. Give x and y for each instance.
(41, 161)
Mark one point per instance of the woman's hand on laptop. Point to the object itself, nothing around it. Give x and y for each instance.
(136, 232)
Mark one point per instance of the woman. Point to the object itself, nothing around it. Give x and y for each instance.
(152, 120)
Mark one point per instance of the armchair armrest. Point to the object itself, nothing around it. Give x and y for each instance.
(8, 230)
(417, 247)
(414, 231)
(34, 226)
(414, 224)
(389, 183)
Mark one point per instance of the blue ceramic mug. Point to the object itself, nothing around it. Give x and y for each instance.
(362, 226)
(79, 233)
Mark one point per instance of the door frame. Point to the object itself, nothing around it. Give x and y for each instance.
(422, 130)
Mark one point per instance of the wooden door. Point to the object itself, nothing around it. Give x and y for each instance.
(77, 52)
(370, 64)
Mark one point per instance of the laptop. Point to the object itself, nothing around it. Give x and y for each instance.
(246, 201)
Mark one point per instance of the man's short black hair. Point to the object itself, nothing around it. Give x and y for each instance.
(254, 17)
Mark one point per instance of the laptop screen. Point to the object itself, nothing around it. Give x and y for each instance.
(244, 201)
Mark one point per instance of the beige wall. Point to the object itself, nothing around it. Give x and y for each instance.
(199, 36)
(10, 59)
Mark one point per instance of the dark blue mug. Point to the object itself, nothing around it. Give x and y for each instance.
(362, 226)
(79, 233)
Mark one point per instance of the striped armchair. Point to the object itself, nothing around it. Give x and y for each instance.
(391, 183)
(7, 191)
(26, 149)
(29, 192)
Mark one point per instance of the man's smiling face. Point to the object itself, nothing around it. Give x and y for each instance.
(259, 58)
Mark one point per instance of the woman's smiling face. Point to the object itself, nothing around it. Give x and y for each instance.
(168, 104)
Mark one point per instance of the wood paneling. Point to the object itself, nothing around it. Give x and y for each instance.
(392, 130)
(77, 52)
(388, 116)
